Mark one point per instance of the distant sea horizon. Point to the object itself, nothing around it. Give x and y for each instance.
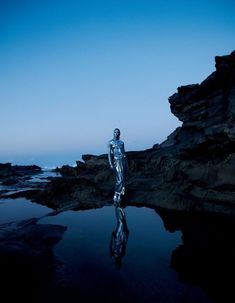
(44, 161)
(47, 161)
(55, 159)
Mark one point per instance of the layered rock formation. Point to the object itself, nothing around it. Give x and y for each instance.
(203, 147)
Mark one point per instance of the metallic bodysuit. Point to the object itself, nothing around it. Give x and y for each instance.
(118, 162)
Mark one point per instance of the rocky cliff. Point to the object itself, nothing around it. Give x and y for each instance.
(203, 148)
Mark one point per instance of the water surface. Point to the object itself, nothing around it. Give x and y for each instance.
(145, 274)
(85, 270)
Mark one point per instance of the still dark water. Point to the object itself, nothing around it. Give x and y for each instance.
(145, 274)
(160, 263)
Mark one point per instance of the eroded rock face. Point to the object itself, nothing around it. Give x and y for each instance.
(207, 111)
(204, 147)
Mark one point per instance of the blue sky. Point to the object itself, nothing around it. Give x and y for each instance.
(72, 71)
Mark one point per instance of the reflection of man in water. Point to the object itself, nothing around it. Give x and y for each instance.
(118, 162)
(119, 238)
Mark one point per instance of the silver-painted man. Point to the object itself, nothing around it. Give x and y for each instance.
(118, 162)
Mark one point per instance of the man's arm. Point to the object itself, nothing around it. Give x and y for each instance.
(110, 155)
(124, 155)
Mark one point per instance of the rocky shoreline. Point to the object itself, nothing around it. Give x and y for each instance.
(21, 180)
(193, 170)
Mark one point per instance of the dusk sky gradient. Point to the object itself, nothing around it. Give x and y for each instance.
(72, 71)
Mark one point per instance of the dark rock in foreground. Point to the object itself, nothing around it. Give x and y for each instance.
(27, 260)
(28, 239)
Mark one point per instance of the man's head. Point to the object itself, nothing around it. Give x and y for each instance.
(116, 133)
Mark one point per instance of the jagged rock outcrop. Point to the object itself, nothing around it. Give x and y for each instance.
(204, 147)
(207, 111)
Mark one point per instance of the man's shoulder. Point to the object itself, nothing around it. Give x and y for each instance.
(110, 142)
(121, 142)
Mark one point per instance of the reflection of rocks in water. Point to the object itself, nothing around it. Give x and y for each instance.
(206, 257)
(26, 259)
(119, 238)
